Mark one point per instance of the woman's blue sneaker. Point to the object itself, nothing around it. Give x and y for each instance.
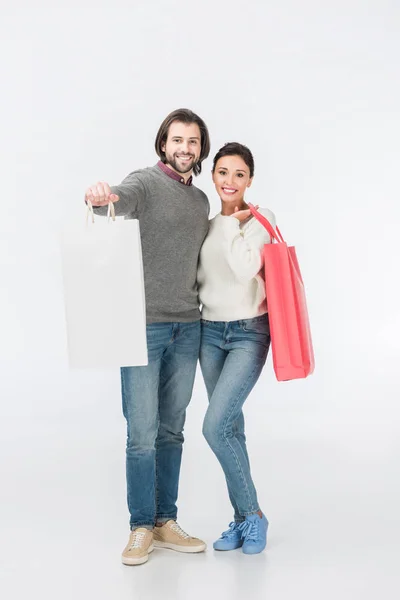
(230, 539)
(254, 533)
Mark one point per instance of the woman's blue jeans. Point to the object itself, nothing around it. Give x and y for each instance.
(232, 356)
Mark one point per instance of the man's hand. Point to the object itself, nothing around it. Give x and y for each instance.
(242, 215)
(100, 194)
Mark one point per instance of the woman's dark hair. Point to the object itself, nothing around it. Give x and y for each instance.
(184, 115)
(235, 149)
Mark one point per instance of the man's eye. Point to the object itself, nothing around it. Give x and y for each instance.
(194, 142)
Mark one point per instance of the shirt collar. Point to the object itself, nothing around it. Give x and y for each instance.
(173, 174)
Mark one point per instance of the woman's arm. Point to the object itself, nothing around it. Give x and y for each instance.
(242, 248)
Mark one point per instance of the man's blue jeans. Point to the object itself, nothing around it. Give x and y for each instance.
(155, 398)
(232, 356)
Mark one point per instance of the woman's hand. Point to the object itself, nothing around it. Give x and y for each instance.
(242, 215)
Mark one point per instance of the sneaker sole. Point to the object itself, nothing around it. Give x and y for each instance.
(138, 561)
(227, 549)
(177, 548)
(253, 551)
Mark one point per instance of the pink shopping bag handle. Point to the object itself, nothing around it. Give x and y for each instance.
(275, 235)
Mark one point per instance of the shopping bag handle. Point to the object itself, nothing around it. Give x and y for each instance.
(275, 235)
(110, 211)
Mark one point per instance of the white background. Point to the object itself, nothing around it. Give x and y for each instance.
(313, 88)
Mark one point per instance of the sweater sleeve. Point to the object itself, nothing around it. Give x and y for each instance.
(131, 192)
(242, 248)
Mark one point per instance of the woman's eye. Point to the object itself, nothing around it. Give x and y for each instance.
(240, 174)
(222, 172)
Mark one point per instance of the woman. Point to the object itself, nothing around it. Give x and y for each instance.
(235, 337)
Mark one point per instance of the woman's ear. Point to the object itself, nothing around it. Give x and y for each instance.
(250, 182)
(212, 175)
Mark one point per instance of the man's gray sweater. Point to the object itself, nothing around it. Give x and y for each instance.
(173, 220)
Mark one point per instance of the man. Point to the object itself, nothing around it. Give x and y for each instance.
(173, 217)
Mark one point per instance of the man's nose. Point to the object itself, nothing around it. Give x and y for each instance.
(185, 147)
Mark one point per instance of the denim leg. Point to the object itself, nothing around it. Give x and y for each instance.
(177, 376)
(247, 352)
(212, 360)
(240, 435)
(238, 429)
(140, 393)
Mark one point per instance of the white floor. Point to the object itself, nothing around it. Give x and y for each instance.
(330, 491)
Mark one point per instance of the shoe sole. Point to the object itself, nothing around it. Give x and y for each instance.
(177, 548)
(255, 552)
(138, 561)
(227, 549)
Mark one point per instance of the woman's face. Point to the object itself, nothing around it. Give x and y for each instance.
(231, 177)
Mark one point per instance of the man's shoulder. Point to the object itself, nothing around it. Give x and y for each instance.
(203, 198)
(141, 179)
(144, 173)
(199, 192)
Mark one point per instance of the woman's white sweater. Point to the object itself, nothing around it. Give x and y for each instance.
(231, 284)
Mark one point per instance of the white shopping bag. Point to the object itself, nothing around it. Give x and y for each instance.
(104, 293)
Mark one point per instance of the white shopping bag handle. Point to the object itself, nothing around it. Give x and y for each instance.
(110, 211)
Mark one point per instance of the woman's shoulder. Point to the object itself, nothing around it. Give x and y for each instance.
(267, 213)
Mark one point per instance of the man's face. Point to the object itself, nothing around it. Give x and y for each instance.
(183, 146)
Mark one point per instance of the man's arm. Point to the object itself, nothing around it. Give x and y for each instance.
(126, 196)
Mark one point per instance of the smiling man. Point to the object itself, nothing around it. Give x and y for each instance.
(173, 216)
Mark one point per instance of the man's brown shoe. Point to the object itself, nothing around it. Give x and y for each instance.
(170, 535)
(139, 546)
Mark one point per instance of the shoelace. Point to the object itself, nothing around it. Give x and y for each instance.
(233, 527)
(178, 529)
(249, 530)
(137, 539)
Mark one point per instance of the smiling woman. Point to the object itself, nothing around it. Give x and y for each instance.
(233, 171)
(235, 337)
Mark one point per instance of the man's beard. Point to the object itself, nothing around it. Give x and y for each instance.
(171, 160)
